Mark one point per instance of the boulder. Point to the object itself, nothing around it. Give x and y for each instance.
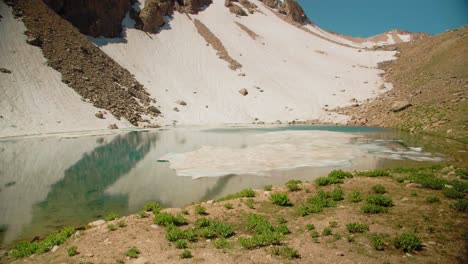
(152, 15)
(270, 3)
(398, 106)
(99, 115)
(191, 6)
(154, 109)
(113, 126)
(243, 92)
(35, 41)
(97, 223)
(180, 102)
(3, 70)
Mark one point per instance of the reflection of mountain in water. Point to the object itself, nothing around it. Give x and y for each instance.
(80, 194)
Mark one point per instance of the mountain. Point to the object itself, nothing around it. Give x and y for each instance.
(123, 63)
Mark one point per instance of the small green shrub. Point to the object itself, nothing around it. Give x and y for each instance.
(337, 236)
(282, 220)
(250, 203)
(244, 193)
(229, 206)
(379, 189)
(213, 228)
(173, 234)
(310, 227)
(452, 193)
(268, 187)
(339, 174)
(142, 214)
(133, 252)
(72, 251)
(286, 252)
(461, 205)
(180, 244)
(337, 194)
(327, 232)
(333, 224)
(324, 181)
(380, 200)
(378, 240)
(408, 242)
(355, 197)
(314, 234)
(293, 185)
(432, 199)
(186, 254)
(111, 227)
(350, 239)
(280, 199)
(111, 216)
(373, 209)
(257, 241)
(185, 212)
(357, 228)
(462, 173)
(167, 219)
(121, 224)
(222, 243)
(200, 210)
(154, 207)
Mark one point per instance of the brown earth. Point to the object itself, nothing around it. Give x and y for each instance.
(440, 227)
(432, 75)
(84, 67)
(214, 41)
(247, 30)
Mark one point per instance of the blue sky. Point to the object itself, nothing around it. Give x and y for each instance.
(364, 18)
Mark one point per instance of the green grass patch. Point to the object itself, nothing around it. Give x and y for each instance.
(355, 197)
(374, 173)
(280, 199)
(285, 252)
(378, 189)
(453, 193)
(154, 207)
(24, 249)
(111, 216)
(268, 187)
(72, 251)
(327, 231)
(111, 227)
(167, 219)
(185, 254)
(250, 203)
(461, 205)
(222, 243)
(244, 193)
(180, 244)
(357, 228)
(293, 185)
(142, 214)
(133, 252)
(377, 240)
(380, 200)
(373, 209)
(408, 242)
(228, 206)
(200, 210)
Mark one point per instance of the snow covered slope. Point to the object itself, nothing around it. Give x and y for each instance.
(289, 73)
(33, 98)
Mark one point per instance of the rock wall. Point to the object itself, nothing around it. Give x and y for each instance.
(93, 17)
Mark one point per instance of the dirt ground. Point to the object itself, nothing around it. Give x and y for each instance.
(442, 229)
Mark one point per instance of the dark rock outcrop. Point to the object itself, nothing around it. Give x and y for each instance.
(293, 10)
(191, 6)
(152, 15)
(93, 17)
(270, 3)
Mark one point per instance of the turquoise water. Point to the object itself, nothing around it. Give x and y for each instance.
(51, 182)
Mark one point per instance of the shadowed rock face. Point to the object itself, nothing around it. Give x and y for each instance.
(93, 17)
(294, 11)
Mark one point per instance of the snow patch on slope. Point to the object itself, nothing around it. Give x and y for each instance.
(285, 77)
(33, 98)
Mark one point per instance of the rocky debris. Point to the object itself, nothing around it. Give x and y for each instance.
(293, 10)
(154, 109)
(99, 115)
(400, 106)
(97, 223)
(3, 70)
(176, 109)
(191, 6)
(271, 3)
(180, 102)
(235, 9)
(35, 41)
(113, 126)
(54, 248)
(95, 18)
(152, 15)
(210, 38)
(84, 67)
(243, 92)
